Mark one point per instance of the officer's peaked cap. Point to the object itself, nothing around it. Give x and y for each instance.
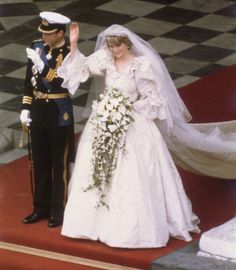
(52, 22)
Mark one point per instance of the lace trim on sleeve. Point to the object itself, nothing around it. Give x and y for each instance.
(150, 104)
(77, 69)
(73, 70)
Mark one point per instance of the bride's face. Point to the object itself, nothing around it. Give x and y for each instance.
(119, 50)
(118, 46)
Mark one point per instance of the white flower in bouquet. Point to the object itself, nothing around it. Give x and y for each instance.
(122, 109)
(101, 105)
(117, 116)
(112, 128)
(115, 102)
(112, 117)
(109, 107)
(104, 116)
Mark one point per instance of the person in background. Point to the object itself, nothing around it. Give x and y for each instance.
(47, 111)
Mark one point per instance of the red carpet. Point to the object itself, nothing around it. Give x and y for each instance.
(213, 98)
(214, 200)
(15, 203)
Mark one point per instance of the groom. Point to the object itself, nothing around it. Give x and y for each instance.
(47, 111)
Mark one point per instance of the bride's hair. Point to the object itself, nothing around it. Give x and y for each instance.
(117, 41)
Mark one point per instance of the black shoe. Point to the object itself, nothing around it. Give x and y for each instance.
(34, 217)
(54, 222)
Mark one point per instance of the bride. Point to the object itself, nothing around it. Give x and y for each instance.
(125, 189)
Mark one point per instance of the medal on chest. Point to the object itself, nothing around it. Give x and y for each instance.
(49, 54)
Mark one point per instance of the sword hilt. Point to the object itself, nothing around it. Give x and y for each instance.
(24, 130)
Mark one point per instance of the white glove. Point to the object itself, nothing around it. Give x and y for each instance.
(34, 56)
(25, 117)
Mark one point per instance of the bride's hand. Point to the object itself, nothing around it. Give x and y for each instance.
(74, 32)
(74, 37)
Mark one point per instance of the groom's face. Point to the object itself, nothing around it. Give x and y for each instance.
(53, 38)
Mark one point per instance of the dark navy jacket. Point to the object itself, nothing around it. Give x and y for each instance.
(48, 81)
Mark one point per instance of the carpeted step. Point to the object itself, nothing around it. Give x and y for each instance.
(23, 258)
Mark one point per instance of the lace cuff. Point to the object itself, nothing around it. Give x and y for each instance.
(77, 69)
(73, 71)
(150, 106)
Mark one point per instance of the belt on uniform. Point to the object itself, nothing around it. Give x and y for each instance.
(41, 95)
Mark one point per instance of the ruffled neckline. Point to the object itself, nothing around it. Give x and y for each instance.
(135, 64)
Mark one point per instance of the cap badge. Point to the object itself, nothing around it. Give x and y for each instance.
(45, 22)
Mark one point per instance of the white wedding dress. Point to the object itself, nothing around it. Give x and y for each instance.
(147, 201)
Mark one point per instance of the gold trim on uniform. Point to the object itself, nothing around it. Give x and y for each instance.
(59, 60)
(41, 95)
(51, 75)
(47, 31)
(27, 100)
(60, 44)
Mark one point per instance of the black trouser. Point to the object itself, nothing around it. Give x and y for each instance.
(50, 159)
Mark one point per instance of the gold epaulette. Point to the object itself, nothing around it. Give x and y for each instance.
(59, 60)
(27, 100)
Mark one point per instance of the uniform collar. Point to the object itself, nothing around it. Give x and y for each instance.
(58, 45)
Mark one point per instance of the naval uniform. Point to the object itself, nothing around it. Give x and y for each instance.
(51, 129)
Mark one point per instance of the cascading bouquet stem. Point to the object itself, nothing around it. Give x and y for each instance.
(112, 117)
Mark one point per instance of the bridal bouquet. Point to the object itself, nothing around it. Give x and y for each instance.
(111, 120)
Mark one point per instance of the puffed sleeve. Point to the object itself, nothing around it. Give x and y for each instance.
(77, 69)
(150, 102)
